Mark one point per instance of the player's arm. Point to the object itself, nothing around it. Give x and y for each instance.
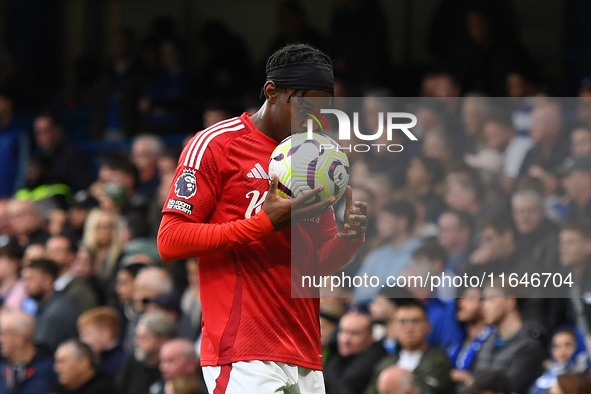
(339, 248)
(183, 233)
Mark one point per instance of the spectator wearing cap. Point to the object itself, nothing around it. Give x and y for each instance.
(145, 151)
(14, 146)
(26, 224)
(56, 315)
(493, 381)
(395, 380)
(546, 132)
(61, 154)
(12, 289)
(576, 180)
(76, 371)
(349, 370)
(100, 329)
(83, 203)
(101, 235)
(429, 364)
(514, 347)
(422, 175)
(575, 255)
(140, 369)
(170, 303)
(62, 251)
(26, 368)
(113, 198)
(394, 256)
(455, 234)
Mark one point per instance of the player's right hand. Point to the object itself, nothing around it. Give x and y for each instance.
(283, 212)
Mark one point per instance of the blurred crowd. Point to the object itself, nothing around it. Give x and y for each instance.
(492, 185)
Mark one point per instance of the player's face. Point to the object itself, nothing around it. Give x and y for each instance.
(292, 117)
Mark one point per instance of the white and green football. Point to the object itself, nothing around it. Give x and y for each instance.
(301, 164)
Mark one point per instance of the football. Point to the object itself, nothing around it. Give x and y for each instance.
(301, 164)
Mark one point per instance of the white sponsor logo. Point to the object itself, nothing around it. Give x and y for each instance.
(256, 203)
(179, 206)
(257, 172)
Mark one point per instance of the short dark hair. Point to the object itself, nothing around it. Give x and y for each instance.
(584, 229)
(81, 349)
(72, 245)
(432, 251)
(404, 209)
(46, 266)
(134, 268)
(500, 223)
(412, 303)
(124, 166)
(464, 218)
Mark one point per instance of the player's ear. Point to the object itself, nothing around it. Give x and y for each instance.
(271, 91)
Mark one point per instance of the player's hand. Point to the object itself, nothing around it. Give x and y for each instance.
(283, 212)
(355, 218)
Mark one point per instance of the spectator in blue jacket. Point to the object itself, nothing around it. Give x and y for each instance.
(25, 368)
(14, 150)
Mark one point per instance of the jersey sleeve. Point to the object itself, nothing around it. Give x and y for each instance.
(334, 252)
(193, 194)
(196, 186)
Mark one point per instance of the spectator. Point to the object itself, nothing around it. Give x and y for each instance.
(580, 141)
(101, 235)
(382, 309)
(26, 223)
(190, 300)
(83, 269)
(546, 132)
(577, 185)
(124, 290)
(395, 380)
(61, 154)
(455, 233)
(572, 384)
(466, 195)
(14, 150)
(428, 364)
(76, 372)
(62, 251)
(100, 329)
(12, 289)
(393, 257)
(83, 203)
(167, 92)
(498, 247)
(569, 355)
(140, 370)
(439, 146)
(512, 347)
(177, 358)
(421, 177)
(116, 112)
(462, 352)
(349, 371)
(537, 237)
(33, 252)
(56, 315)
(500, 135)
(27, 369)
(575, 255)
(145, 151)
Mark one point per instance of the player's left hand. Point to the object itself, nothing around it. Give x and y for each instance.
(355, 218)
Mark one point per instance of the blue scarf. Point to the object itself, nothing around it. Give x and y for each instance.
(462, 358)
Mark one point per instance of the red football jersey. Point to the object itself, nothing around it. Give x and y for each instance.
(248, 309)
